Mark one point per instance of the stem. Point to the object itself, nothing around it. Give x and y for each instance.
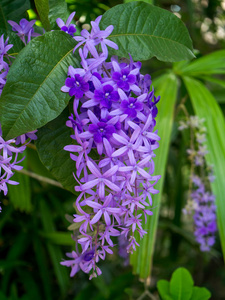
(108, 74)
(192, 159)
(41, 178)
(181, 106)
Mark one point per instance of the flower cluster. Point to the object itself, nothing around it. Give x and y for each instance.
(202, 202)
(4, 66)
(8, 162)
(9, 151)
(25, 31)
(113, 144)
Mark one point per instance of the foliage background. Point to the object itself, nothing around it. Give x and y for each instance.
(33, 236)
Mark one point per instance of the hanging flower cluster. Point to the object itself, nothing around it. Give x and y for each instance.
(202, 202)
(114, 139)
(8, 152)
(4, 66)
(8, 163)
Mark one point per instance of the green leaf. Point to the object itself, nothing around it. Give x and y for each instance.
(52, 138)
(181, 285)
(147, 1)
(213, 80)
(30, 284)
(20, 246)
(58, 238)
(43, 270)
(163, 288)
(205, 106)
(42, 7)
(145, 31)
(20, 195)
(166, 86)
(200, 293)
(32, 95)
(57, 9)
(55, 252)
(213, 63)
(13, 10)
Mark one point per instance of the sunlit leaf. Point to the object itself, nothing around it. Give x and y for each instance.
(166, 87)
(213, 63)
(181, 285)
(144, 31)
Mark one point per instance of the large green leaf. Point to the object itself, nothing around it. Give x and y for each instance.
(32, 95)
(57, 9)
(213, 63)
(52, 138)
(205, 106)
(181, 285)
(42, 7)
(12, 10)
(145, 31)
(167, 87)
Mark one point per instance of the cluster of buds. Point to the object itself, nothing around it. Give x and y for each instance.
(113, 121)
(201, 203)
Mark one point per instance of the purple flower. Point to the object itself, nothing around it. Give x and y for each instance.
(125, 78)
(103, 209)
(29, 135)
(68, 28)
(90, 42)
(4, 182)
(105, 96)
(76, 86)
(134, 168)
(134, 221)
(101, 36)
(129, 145)
(4, 68)
(4, 47)
(8, 149)
(100, 181)
(7, 163)
(101, 130)
(24, 29)
(131, 106)
(108, 233)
